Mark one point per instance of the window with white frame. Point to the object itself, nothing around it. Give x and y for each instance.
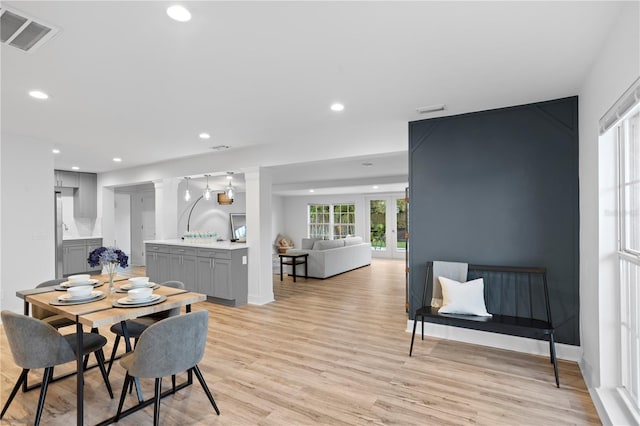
(331, 221)
(344, 220)
(629, 194)
(628, 141)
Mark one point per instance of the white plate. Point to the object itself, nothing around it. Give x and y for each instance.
(70, 298)
(130, 287)
(92, 282)
(127, 301)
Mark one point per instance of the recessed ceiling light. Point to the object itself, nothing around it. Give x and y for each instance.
(55, 151)
(38, 94)
(179, 13)
(75, 168)
(204, 135)
(337, 107)
(117, 159)
(311, 190)
(375, 186)
(367, 164)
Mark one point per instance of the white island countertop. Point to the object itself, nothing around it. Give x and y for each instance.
(223, 245)
(81, 238)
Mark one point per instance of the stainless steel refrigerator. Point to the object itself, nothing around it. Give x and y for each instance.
(58, 233)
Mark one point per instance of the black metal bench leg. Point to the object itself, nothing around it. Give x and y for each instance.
(552, 345)
(413, 335)
(422, 327)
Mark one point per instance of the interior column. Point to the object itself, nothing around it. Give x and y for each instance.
(258, 211)
(166, 208)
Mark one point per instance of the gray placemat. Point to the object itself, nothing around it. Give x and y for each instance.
(120, 290)
(60, 288)
(140, 305)
(56, 302)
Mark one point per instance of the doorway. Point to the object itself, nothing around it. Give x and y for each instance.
(135, 220)
(386, 224)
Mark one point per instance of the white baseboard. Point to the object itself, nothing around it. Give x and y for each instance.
(495, 340)
(257, 300)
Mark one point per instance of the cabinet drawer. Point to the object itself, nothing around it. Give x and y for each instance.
(73, 243)
(216, 254)
(185, 251)
(95, 242)
(156, 248)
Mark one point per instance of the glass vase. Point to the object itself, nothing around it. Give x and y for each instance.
(112, 289)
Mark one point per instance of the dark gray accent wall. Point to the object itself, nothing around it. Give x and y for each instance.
(499, 187)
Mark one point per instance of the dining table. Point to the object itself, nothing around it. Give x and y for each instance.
(106, 311)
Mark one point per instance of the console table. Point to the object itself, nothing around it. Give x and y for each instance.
(294, 261)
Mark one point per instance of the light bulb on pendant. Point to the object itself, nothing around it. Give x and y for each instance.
(207, 190)
(187, 194)
(229, 191)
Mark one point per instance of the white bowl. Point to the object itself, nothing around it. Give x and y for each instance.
(80, 291)
(140, 293)
(81, 278)
(139, 281)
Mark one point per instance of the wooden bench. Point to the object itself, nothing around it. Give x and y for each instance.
(517, 298)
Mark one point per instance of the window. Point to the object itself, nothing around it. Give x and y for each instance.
(319, 221)
(628, 139)
(344, 219)
(331, 221)
(629, 194)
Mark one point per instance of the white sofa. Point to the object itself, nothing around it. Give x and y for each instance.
(333, 257)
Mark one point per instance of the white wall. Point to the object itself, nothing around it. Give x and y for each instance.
(75, 227)
(617, 66)
(277, 217)
(207, 215)
(27, 217)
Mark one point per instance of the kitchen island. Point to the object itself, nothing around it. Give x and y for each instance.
(217, 269)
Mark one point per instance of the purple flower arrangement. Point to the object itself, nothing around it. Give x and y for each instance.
(108, 256)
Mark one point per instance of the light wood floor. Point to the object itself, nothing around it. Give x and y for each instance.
(333, 352)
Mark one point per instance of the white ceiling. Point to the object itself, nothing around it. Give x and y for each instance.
(125, 80)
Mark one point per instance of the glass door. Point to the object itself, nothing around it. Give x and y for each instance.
(387, 225)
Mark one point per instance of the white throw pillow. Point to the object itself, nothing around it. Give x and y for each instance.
(463, 298)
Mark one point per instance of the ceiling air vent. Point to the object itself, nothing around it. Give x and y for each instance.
(23, 32)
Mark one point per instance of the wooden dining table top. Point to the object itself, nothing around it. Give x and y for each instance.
(102, 312)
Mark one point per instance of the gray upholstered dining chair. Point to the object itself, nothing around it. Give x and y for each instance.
(57, 321)
(36, 344)
(135, 327)
(165, 348)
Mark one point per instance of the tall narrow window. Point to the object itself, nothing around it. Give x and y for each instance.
(319, 221)
(378, 223)
(344, 220)
(401, 223)
(629, 253)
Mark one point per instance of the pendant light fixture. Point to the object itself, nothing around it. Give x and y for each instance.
(187, 194)
(207, 190)
(229, 189)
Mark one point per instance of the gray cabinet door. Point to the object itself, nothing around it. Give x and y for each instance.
(158, 266)
(152, 269)
(189, 277)
(85, 200)
(204, 275)
(65, 179)
(222, 287)
(91, 246)
(75, 259)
